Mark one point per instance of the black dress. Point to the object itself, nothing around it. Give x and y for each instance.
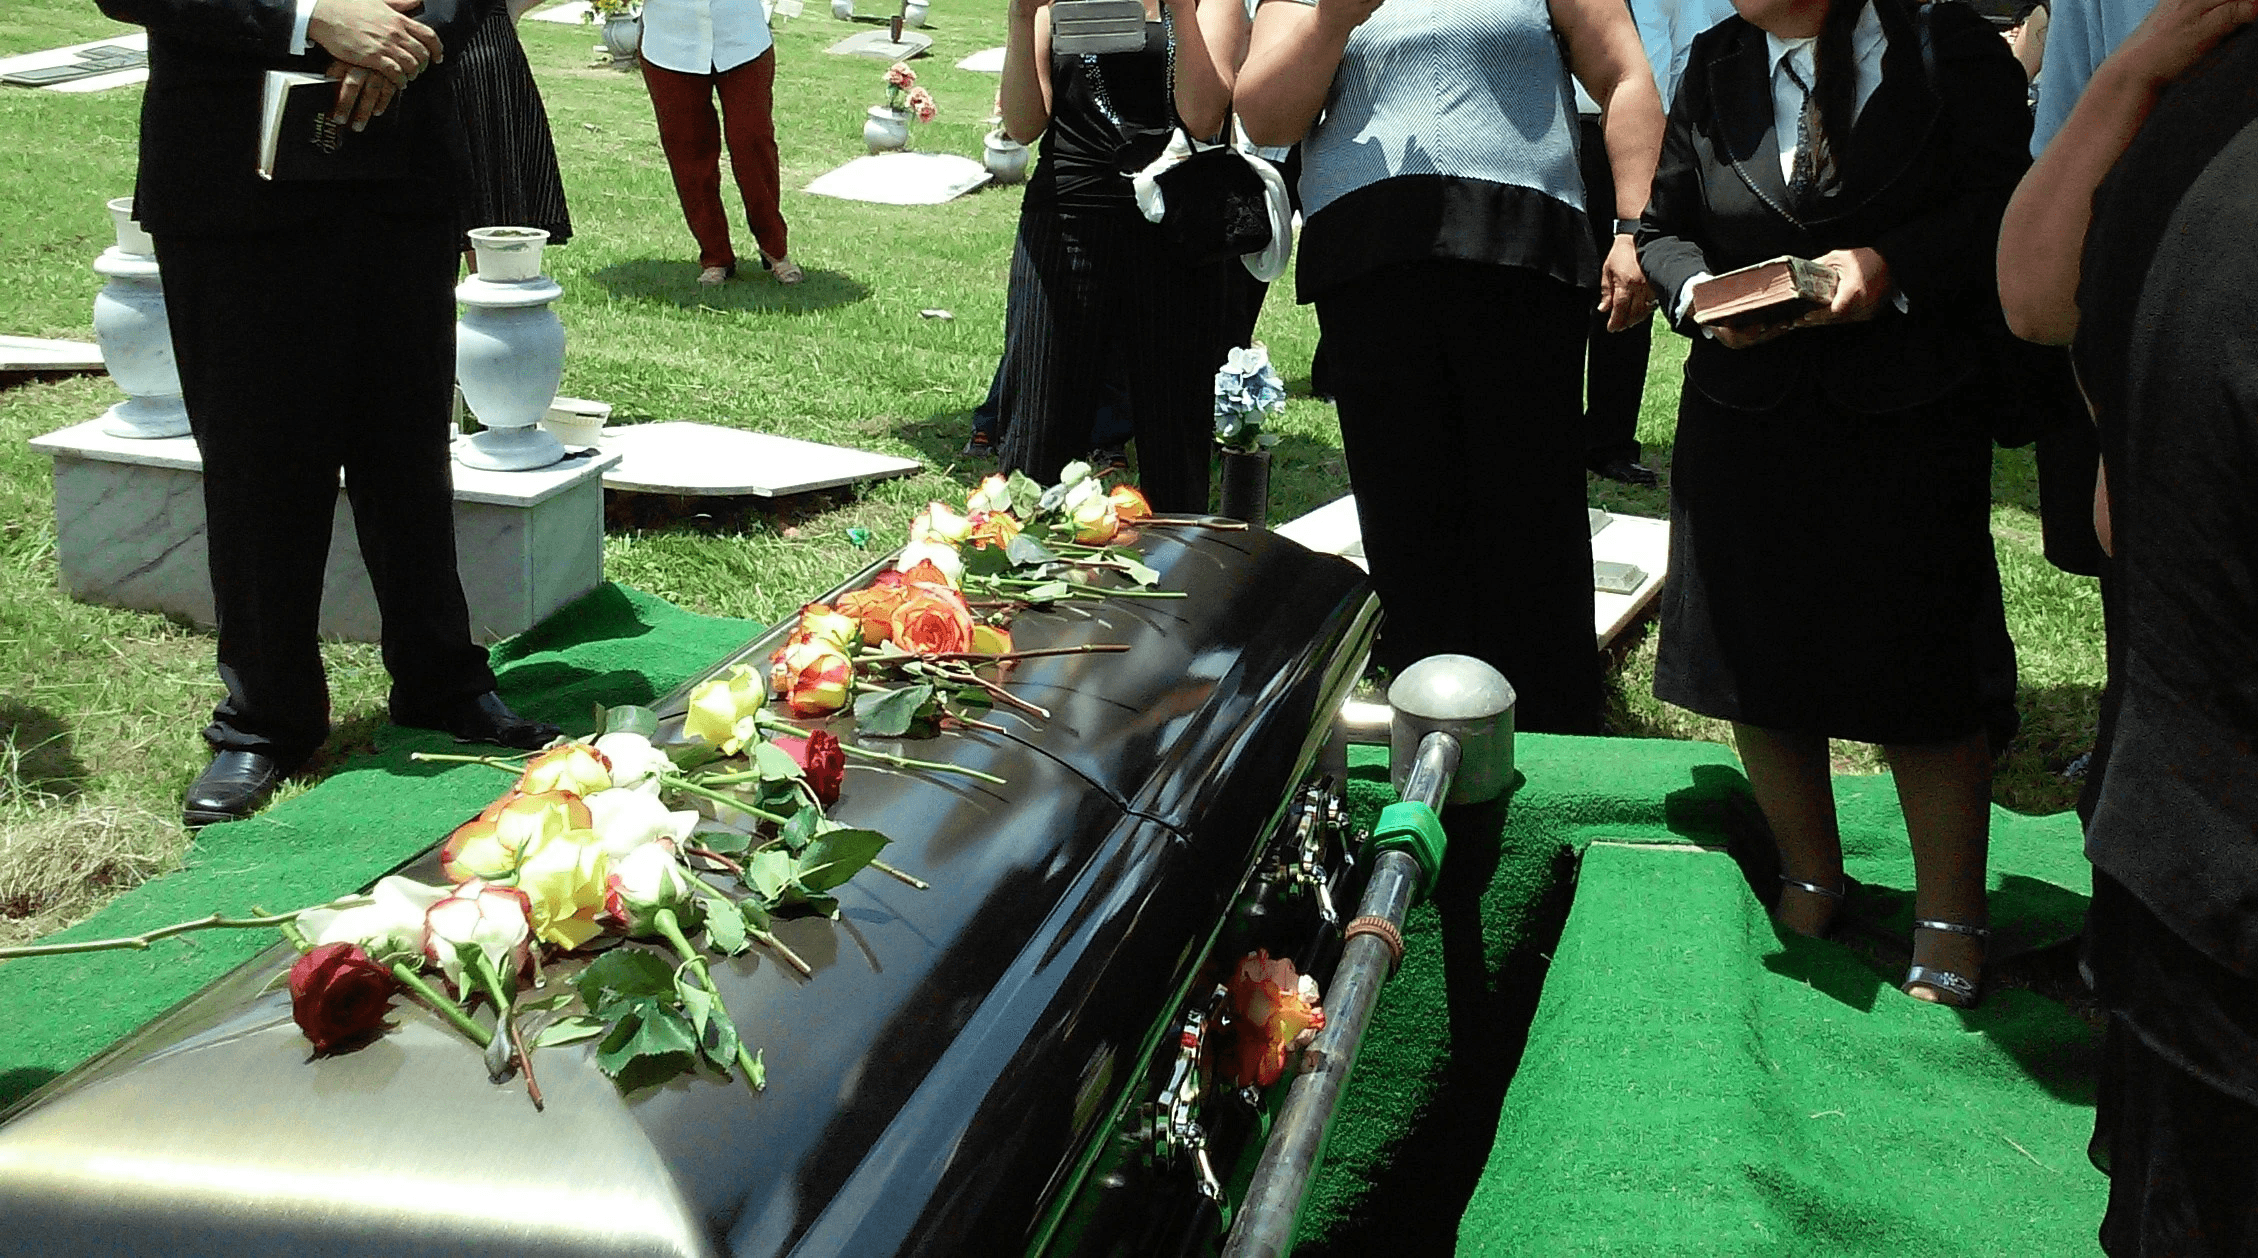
(513, 159)
(1831, 565)
(1096, 296)
(2165, 349)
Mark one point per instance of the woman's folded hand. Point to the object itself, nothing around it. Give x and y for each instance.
(1862, 287)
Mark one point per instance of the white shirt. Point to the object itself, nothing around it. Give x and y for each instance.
(703, 36)
(1867, 44)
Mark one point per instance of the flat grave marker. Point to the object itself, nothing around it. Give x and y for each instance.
(902, 179)
(684, 457)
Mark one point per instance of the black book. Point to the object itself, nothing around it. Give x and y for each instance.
(300, 141)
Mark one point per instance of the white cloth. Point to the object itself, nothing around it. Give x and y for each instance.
(703, 36)
(298, 27)
(1867, 43)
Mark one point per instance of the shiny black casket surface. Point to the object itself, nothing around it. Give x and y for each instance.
(944, 1083)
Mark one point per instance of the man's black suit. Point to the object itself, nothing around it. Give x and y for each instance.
(1831, 566)
(314, 328)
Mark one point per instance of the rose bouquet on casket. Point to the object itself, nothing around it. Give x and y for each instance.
(696, 848)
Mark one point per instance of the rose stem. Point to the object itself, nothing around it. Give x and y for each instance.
(1095, 648)
(891, 872)
(445, 1008)
(999, 692)
(791, 957)
(742, 805)
(1023, 583)
(525, 1063)
(507, 764)
(972, 723)
(140, 942)
(708, 853)
(668, 926)
(904, 762)
(1221, 526)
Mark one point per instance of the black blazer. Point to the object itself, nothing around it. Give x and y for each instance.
(1924, 180)
(200, 116)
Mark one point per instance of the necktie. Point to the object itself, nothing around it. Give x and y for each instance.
(1812, 174)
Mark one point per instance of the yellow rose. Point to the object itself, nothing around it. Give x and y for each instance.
(575, 767)
(489, 845)
(722, 708)
(827, 624)
(563, 879)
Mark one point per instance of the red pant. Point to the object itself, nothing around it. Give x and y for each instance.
(691, 137)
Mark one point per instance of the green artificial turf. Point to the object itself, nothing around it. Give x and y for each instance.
(1696, 1085)
(1422, 1110)
(612, 646)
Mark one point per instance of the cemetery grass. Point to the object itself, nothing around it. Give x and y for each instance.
(100, 709)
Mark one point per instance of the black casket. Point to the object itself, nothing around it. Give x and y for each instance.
(975, 1069)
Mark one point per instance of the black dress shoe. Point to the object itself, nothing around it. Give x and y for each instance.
(979, 446)
(485, 719)
(231, 788)
(1627, 472)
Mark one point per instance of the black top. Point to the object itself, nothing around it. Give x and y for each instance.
(1106, 124)
(1411, 218)
(2168, 339)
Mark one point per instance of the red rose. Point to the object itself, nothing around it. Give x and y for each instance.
(1271, 1013)
(820, 758)
(339, 994)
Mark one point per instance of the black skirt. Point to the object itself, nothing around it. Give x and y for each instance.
(1832, 573)
(513, 160)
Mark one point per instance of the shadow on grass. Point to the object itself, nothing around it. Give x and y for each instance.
(36, 754)
(676, 284)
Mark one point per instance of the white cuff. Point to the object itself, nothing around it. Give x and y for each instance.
(298, 28)
(1685, 297)
(1897, 299)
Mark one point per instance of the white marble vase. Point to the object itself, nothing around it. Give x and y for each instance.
(136, 336)
(1005, 158)
(886, 130)
(913, 12)
(844, 10)
(509, 360)
(622, 37)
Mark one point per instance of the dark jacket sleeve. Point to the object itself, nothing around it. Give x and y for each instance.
(258, 28)
(1947, 255)
(1672, 224)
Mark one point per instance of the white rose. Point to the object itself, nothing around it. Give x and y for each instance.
(635, 762)
(388, 928)
(625, 820)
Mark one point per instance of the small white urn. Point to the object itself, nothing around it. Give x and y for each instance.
(508, 254)
(1005, 158)
(136, 337)
(509, 360)
(844, 10)
(622, 37)
(886, 130)
(913, 12)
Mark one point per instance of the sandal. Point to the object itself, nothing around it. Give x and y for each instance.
(713, 275)
(1831, 893)
(785, 270)
(1952, 989)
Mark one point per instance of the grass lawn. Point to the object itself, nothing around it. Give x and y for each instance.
(100, 709)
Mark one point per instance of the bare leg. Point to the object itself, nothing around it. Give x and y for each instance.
(1788, 771)
(1945, 792)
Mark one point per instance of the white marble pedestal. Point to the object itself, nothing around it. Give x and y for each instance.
(129, 532)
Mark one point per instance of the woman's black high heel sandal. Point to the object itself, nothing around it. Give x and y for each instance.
(1955, 989)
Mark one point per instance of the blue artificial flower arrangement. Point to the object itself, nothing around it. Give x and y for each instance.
(1248, 394)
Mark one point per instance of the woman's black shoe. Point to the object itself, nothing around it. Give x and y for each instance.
(231, 788)
(981, 446)
(1627, 472)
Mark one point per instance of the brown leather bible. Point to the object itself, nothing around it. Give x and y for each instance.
(1769, 292)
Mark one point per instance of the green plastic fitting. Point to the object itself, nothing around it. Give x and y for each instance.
(1412, 828)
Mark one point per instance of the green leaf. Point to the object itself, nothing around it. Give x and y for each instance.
(802, 826)
(725, 926)
(1048, 592)
(1026, 552)
(650, 1032)
(986, 561)
(697, 1003)
(624, 972)
(725, 842)
(1026, 495)
(974, 701)
(774, 763)
(718, 1038)
(697, 753)
(629, 718)
(760, 1070)
(768, 873)
(598, 731)
(1139, 573)
(890, 713)
(755, 914)
(837, 855)
(545, 1004)
(571, 1031)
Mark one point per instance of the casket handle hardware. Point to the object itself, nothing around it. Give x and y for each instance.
(1319, 820)
(1172, 1126)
